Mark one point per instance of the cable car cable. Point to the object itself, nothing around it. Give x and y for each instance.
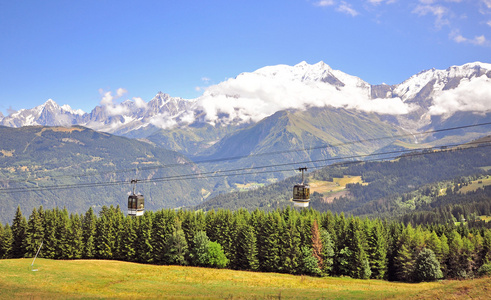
(263, 154)
(200, 176)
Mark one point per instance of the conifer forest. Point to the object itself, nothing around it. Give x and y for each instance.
(303, 242)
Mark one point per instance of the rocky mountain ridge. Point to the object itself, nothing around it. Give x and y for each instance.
(251, 97)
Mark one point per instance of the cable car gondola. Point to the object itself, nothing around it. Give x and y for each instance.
(301, 193)
(136, 203)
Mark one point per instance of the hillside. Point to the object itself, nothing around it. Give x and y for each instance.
(383, 182)
(87, 279)
(37, 157)
(293, 137)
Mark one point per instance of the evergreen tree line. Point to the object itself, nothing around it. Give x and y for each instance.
(284, 240)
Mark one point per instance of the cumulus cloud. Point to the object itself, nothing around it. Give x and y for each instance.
(470, 95)
(477, 40)
(324, 3)
(163, 121)
(377, 2)
(113, 108)
(439, 12)
(206, 81)
(347, 9)
(139, 102)
(254, 96)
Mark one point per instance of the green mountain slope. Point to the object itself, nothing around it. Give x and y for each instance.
(299, 137)
(32, 157)
(190, 140)
(382, 187)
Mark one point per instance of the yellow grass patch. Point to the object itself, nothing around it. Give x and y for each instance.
(59, 129)
(56, 279)
(7, 153)
(338, 184)
(474, 185)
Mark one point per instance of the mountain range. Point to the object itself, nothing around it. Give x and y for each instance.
(266, 123)
(250, 97)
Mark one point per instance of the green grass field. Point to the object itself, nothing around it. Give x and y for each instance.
(474, 185)
(338, 184)
(87, 279)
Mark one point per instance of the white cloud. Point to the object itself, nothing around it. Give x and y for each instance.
(163, 121)
(470, 95)
(477, 40)
(112, 108)
(107, 98)
(347, 9)
(139, 102)
(324, 3)
(254, 96)
(440, 13)
(120, 92)
(489, 23)
(487, 3)
(377, 2)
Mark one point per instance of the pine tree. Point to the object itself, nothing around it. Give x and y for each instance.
(404, 260)
(340, 249)
(455, 245)
(104, 238)
(434, 243)
(34, 234)
(19, 227)
(144, 246)
(75, 237)
(327, 252)
(355, 243)
(50, 241)
(177, 247)
(244, 251)
(309, 265)
(377, 250)
(289, 242)
(467, 257)
(486, 247)
(6, 239)
(162, 228)
(119, 232)
(269, 242)
(192, 223)
(88, 234)
(445, 252)
(129, 239)
(62, 232)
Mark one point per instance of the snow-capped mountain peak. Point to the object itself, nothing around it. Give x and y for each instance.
(252, 96)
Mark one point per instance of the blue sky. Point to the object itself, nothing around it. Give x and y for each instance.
(75, 51)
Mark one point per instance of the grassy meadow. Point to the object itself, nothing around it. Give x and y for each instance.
(76, 279)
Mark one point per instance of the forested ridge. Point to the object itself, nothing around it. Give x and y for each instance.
(386, 186)
(284, 240)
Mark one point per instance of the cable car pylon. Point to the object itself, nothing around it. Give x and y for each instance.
(301, 192)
